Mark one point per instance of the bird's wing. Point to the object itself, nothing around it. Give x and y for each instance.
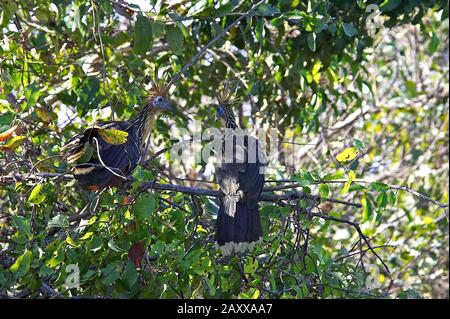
(245, 177)
(76, 148)
(92, 153)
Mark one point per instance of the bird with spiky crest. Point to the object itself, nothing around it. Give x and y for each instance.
(108, 152)
(240, 174)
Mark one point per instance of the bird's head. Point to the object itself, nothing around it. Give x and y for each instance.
(161, 103)
(224, 110)
(157, 98)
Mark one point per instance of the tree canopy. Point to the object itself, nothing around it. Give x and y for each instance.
(356, 202)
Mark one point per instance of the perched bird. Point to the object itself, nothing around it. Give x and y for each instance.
(107, 153)
(240, 174)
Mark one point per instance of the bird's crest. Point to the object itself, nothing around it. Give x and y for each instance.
(159, 87)
(227, 94)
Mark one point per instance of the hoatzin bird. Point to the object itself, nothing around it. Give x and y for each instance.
(101, 158)
(240, 174)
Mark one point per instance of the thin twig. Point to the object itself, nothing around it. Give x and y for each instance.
(214, 40)
(358, 229)
(104, 165)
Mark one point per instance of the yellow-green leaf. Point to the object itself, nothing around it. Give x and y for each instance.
(44, 115)
(348, 183)
(200, 229)
(70, 241)
(87, 235)
(36, 197)
(8, 133)
(22, 264)
(115, 137)
(347, 155)
(14, 142)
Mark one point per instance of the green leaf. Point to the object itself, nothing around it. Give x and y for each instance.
(8, 8)
(337, 175)
(324, 190)
(198, 7)
(351, 177)
(391, 198)
(23, 225)
(259, 30)
(224, 9)
(319, 26)
(367, 208)
(276, 22)
(411, 88)
(143, 37)
(211, 286)
(358, 144)
(55, 261)
(113, 246)
(71, 242)
(250, 268)
(433, 45)
(381, 200)
(144, 206)
(267, 9)
(349, 29)
(130, 275)
(32, 95)
(114, 137)
(304, 179)
(59, 221)
(158, 29)
(22, 264)
(312, 41)
(174, 37)
(36, 195)
(88, 151)
(389, 5)
(110, 274)
(379, 187)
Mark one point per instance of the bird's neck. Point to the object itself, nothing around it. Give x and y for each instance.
(230, 121)
(231, 124)
(144, 123)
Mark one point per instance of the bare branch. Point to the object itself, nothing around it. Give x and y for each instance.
(358, 229)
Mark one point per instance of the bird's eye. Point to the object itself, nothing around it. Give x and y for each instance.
(158, 99)
(220, 110)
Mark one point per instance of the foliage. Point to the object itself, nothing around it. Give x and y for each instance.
(372, 107)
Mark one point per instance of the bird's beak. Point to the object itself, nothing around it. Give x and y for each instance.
(168, 106)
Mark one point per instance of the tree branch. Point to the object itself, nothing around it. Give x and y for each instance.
(358, 229)
(214, 40)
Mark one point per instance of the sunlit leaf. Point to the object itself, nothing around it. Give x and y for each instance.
(22, 264)
(8, 134)
(114, 137)
(347, 155)
(14, 142)
(36, 195)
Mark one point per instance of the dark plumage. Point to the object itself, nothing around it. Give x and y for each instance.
(240, 174)
(99, 163)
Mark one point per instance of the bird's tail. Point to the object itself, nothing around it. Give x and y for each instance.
(240, 232)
